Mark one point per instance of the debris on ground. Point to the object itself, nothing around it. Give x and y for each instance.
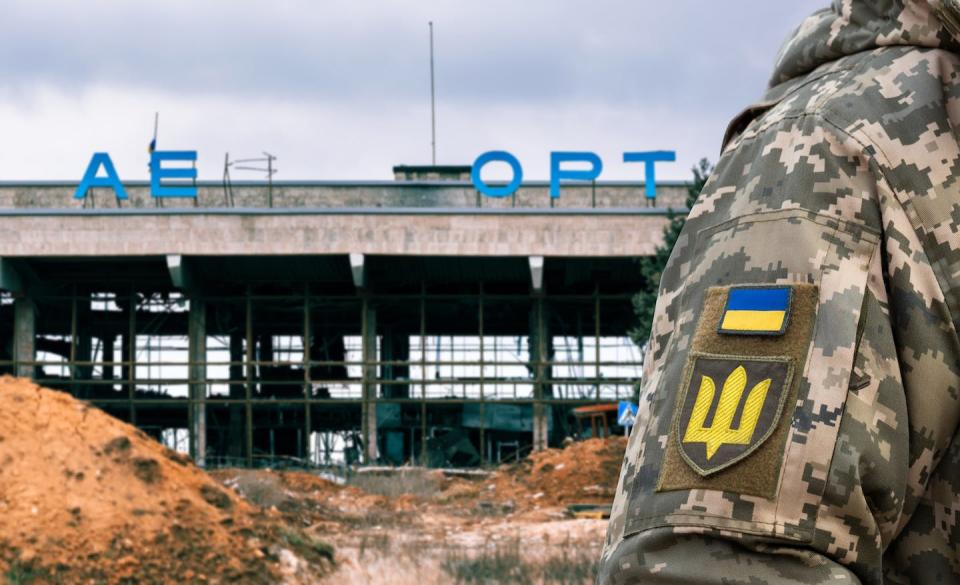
(85, 497)
(584, 472)
(540, 520)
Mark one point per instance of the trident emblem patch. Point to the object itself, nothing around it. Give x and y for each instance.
(715, 430)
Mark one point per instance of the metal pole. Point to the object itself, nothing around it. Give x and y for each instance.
(433, 104)
(248, 380)
(158, 202)
(423, 373)
(270, 180)
(196, 200)
(73, 340)
(226, 177)
(483, 398)
(596, 338)
(132, 354)
(307, 383)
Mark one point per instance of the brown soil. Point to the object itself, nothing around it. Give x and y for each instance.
(584, 472)
(429, 523)
(537, 489)
(87, 498)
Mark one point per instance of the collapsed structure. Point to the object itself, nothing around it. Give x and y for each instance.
(351, 321)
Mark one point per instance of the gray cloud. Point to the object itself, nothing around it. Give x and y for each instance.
(553, 70)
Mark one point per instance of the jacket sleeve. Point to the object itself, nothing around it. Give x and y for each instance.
(846, 471)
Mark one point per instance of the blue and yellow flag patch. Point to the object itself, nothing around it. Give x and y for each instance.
(754, 310)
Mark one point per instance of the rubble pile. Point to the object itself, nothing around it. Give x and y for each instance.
(583, 472)
(85, 497)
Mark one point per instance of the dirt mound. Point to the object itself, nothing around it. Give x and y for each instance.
(87, 498)
(305, 499)
(583, 472)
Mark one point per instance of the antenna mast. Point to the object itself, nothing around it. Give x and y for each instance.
(433, 105)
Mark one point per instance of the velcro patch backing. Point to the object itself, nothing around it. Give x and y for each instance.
(753, 469)
(732, 404)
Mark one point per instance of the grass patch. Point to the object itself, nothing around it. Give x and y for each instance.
(571, 567)
(23, 573)
(414, 481)
(308, 546)
(501, 565)
(509, 563)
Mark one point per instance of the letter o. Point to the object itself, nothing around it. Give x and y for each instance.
(501, 156)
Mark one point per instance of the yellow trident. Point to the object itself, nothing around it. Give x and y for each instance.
(720, 432)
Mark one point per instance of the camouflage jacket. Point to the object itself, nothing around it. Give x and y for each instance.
(820, 269)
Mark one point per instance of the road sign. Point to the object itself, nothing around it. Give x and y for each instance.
(626, 413)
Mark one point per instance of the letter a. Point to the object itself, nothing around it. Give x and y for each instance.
(90, 178)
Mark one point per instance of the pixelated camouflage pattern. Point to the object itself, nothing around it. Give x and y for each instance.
(845, 175)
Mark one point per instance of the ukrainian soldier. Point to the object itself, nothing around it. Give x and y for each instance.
(799, 407)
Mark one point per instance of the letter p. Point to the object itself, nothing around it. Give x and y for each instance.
(557, 174)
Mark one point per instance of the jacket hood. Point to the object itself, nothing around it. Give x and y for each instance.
(851, 26)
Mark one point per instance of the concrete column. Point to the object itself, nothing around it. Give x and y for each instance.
(235, 426)
(541, 427)
(369, 414)
(197, 338)
(541, 350)
(24, 336)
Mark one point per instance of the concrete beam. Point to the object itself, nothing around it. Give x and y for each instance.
(179, 273)
(429, 233)
(536, 273)
(358, 270)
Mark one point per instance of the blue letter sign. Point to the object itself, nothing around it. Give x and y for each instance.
(556, 173)
(648, 158)
(90, 178)
(502, 156)
(158, 173)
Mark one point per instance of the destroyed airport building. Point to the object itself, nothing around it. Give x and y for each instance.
(332, 322)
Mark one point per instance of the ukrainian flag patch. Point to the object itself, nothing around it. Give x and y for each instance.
(756, 310)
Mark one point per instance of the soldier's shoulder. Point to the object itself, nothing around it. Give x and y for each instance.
(881, 96)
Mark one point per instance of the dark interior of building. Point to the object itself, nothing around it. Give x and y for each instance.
(445, 361)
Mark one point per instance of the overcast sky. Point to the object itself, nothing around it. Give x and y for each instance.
(340, 89)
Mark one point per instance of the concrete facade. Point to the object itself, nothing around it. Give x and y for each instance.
(346, 194)
(549, 233)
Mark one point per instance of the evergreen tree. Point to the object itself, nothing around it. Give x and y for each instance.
(651, 267)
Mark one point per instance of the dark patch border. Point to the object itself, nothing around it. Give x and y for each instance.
(738, 359)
